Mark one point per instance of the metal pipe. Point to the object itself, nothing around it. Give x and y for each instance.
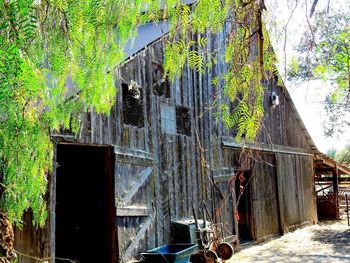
(347, 209)
(198, 230)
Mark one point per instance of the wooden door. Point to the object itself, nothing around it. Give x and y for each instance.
(225, 203)
(135, 202)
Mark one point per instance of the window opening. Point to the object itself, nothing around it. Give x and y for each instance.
(168, 119)
(161, 85)
(133, 113)
(183, 121)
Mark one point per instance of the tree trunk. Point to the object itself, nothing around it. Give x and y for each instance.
(6, 240)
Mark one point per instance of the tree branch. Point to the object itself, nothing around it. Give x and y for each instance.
(313, 7)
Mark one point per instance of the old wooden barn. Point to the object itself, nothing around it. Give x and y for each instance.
(117, 187)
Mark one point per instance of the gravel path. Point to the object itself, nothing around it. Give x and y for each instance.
(327, 242)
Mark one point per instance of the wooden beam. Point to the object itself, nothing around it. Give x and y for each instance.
(347, 209)
(230, 143)
(322, 189)
(330, 179)
(131, 193)
(134, 245)
(223, 174)
(222, 178)
(133, 211)
(335, 189)
(322, 159)
(124, 155)
(329, 163)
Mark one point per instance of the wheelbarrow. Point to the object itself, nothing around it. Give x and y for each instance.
(211, 247)
(175, 253)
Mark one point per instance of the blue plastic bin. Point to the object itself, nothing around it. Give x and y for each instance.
(176, 253)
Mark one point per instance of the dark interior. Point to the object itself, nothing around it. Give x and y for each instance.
(133, 105)
(244, 206)
(85, 211)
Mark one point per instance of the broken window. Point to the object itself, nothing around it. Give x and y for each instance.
(168, 119)
(133, 105)
(183, 121)
(161, 85)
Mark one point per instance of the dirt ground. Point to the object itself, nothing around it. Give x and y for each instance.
(327, 242)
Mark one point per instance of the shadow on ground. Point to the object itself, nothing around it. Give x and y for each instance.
(330, 242)
(339, 240)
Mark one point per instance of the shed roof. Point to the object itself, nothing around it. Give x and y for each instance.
(325, 164)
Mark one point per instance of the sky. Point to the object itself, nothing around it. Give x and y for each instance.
(308, 96)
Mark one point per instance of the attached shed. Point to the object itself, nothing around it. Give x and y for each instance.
(332, 186)
(117, 187)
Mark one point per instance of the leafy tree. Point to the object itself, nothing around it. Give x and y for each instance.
(57, 59)
(42, 45)
(324, 53)
(331, 153)
(343, 156)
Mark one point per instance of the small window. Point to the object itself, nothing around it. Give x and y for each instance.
(175, 120)
(168, 119)
(161, 85)
(133, 105)
(183, 121)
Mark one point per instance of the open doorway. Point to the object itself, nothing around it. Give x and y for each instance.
(85, 206)
(244, 199)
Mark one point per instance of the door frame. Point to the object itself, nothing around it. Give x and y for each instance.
(109, 170)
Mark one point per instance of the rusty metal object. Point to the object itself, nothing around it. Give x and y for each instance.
(209, 240)
(224, 251)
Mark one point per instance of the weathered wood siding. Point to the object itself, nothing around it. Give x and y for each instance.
(31, 241)
(282, 125)
(282, 186)
(265, 196)
(297, 197)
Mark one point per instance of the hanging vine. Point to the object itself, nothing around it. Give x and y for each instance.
(248, 53)
(57, 59)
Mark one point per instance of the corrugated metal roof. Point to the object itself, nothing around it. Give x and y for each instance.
(146, 34)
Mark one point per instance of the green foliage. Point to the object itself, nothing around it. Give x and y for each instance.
(336, 70)
(336, 67)
(252, 61)
(319, 46)
(188, 21)
(331, 153)
(343, 156)
(324, 54)
(248, 53)
(57, 58)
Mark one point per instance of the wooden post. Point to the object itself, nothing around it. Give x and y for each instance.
(335, 190)
(347, 209)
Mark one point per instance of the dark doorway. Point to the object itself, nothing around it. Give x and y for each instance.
(244, 199)
(85, 207)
